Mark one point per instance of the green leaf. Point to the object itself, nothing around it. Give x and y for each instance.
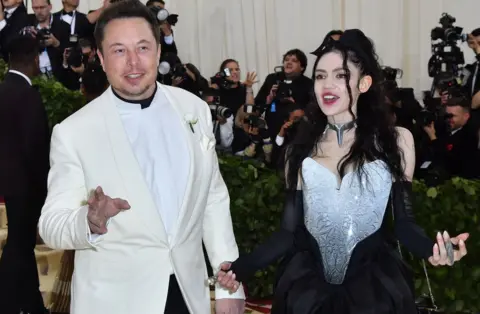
(432, 192)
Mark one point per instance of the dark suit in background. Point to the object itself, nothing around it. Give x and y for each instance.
(61, 31)
(24, 165)
(15, 23)
(83, 28)
(458, 154)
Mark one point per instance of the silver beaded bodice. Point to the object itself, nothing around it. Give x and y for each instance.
(339, 217)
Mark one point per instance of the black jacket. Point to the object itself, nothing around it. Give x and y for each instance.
(24, 139)
(15, 24)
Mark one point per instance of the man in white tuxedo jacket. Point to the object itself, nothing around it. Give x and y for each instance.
(135, 187)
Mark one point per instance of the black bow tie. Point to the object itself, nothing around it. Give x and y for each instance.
(67, 13)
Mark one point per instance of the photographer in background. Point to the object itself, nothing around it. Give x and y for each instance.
(173, 72)
(457, 150)
(251, 136)
(94, 81)
(286, 134)
(223, 120)
(166, 20)
(403, 105)
(472, 85)
(287, 83)
(53, 35)
(13, 17)
(233, 93)
(75, 59)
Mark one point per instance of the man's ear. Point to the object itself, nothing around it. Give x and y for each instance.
(100, 57)
(365, 84)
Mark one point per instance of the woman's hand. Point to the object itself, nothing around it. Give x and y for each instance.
(226, 278)
(440, 251)
(251, 79)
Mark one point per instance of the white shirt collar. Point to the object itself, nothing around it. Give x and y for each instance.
(22, 75)
(11, 10)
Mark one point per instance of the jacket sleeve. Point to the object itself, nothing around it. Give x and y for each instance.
(407, 231)
(63, 222)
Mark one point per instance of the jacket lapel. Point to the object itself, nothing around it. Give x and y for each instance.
(138, 193)
(186, 209)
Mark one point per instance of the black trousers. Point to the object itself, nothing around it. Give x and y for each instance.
(20, 286)
(175, 302)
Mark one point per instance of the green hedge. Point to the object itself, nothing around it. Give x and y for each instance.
(257, 195)
(256, 203)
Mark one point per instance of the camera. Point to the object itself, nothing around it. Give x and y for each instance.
(447, 57)
(75, 56)
(218, 110)
(283, 85)
(255, 122)
(163, 15)
(43, 34)
(221, 79)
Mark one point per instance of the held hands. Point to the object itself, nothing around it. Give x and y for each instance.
(101, 207)
(226, 278)
(441, 254)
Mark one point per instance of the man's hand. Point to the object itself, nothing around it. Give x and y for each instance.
(176, 81)
(284, 128)
(101, 207)
(271, 96)
(52, 41)
(79, 70)
(221, 120)
(166, 28)
(230, 306)
(430, 130)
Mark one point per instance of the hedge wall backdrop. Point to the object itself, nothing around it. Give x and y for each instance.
(256, 205)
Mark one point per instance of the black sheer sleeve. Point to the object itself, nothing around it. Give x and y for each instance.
(407, 231)
(279, 242)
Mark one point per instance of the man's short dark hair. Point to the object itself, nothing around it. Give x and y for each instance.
(301, 57)
(460, 101)
(476, 32)
(85, 43)
(124, 10)
(94, 80)
(23, 50)
(151, 2)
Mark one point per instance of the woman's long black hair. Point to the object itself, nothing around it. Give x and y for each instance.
(375, 135)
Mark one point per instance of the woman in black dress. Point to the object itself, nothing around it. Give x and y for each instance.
(349, 173)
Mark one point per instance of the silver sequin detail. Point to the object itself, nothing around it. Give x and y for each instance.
(339, 217)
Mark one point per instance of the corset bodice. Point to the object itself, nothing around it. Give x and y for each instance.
(339, 217)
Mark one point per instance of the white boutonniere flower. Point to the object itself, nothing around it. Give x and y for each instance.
(191, 120)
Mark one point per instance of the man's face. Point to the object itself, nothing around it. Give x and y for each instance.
(296, 115)
(292, 65)
(89, 53)
(130, 56)
(9, 4)
(71, 3)
(458, 117)
(41, 9)
(473, 42)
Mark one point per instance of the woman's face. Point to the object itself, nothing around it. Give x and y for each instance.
(234, 71)
(331, 89)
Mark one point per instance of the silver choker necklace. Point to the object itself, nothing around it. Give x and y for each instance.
(340, 128)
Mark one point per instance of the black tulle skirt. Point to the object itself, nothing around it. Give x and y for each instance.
(381, 285)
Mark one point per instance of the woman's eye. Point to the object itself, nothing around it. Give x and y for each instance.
(319, 77)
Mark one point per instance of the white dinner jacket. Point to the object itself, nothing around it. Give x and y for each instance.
(127, 270)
